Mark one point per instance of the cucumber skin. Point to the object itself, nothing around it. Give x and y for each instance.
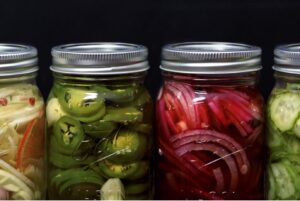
(284, 184)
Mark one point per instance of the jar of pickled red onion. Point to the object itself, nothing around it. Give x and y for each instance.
(210, 118)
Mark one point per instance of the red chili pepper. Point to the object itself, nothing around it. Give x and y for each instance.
(3, 101)
(23, 141)
(31, 101)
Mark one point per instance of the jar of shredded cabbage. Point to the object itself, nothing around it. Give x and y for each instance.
(22, 123)
(99, 119)
(210, 117)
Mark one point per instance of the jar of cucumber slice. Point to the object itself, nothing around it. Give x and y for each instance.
(100, 123)
(22, 125)
(284, 125)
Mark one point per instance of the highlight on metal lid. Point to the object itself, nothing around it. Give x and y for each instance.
(16, 59)
(287, 58)
(210, 58)
(105, 58)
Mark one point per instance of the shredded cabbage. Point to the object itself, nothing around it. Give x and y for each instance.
(13, 184)
(5, 166)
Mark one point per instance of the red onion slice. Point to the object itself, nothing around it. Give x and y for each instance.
(190, 184)
(205, 132)
(4, 194)
(237, 152)
(170, 122)
(219, 138)
(186, 100)
(173, 105)
(239, 112)
(255, 134)
(243, 101)
(178, 161)
(236, 95)
(216, 150)
(237, 124)
(197, 163)
(179, 96)
(163, 122)
(185, 176)
(194, 100)
(256, 112)
(218, 112)
(201, 110)
(219, 179)
(205, 195)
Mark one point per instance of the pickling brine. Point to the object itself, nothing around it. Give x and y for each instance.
(210, 127)
(22, 125)
(100, 136)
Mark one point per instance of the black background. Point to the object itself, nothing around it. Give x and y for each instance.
(45, 23)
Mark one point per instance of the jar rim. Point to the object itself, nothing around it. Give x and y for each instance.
(17, 59)
(287, 58)
(211, 58)
(99, 58)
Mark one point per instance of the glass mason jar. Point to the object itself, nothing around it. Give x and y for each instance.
(100, 123)
(210, 122)
(283, 122)
(22, 125)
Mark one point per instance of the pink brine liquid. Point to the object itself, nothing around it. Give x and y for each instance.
(210, 142)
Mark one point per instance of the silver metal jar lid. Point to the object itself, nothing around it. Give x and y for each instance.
(287, 58)
(210, 58)
(17, 60)
(99, 59)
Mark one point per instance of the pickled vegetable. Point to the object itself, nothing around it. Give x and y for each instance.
(100, 138)
(113, 189)
(21, 143)
(210, 142)
(284, 143)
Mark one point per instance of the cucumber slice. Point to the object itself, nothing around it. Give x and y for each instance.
(284, 110)
(294, 175)
(296, 128)
(271, 185)
(295, 161)
(275, 138)
(293, 145)
(276, 156)
(285, 187)
(293, 86)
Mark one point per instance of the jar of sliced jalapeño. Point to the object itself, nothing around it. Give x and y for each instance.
(99, 117)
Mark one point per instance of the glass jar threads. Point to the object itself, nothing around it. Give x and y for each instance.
(283, 122)
(210, 122)
(22, 123)
(99, 120)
